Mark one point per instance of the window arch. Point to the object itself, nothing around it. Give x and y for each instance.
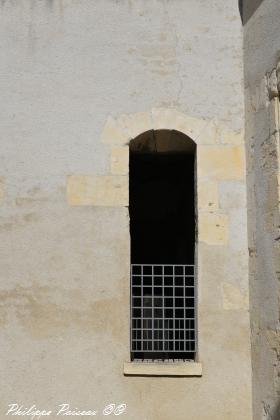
(162, 228)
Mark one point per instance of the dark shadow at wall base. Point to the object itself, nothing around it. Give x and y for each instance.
(247, 8)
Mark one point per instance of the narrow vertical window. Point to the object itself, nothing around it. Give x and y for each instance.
(162, 229)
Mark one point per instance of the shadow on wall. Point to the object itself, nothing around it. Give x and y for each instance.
(276, 413)
(247, 8)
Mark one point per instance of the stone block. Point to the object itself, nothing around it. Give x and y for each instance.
(163, 369)
(221, 162)
(238, 229)
(164, 118)
(209, 134)
(234, 298)
(170, 119)
(113, 132)
(232, 194)
(119, 160)
(230, 137)
(88, 190)
(135, 124)
(208, 196)
(213, 228)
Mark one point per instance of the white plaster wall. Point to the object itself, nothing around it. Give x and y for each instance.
(67, 66)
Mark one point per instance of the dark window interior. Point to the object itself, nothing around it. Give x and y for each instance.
(162, 215)
(162, 229)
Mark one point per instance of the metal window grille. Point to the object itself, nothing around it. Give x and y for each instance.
(163, 311)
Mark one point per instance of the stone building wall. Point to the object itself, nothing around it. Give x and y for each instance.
(262, 82)
(79, 79)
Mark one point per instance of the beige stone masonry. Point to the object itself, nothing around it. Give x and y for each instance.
(216, 162)
(163, 369)
(208, 196)
(234, 298)
(119, 160)
(213, 229)
(120, 130)
(221, 162)
(229, 137)
(209, 134)
(87, 190)
(170, 119)
(113, 132)
(134, 124)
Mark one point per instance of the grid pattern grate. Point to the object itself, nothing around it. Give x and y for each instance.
(163, 309)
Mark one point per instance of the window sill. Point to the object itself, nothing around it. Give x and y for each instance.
(162, 369)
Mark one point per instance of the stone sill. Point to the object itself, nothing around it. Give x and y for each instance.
(162, 369)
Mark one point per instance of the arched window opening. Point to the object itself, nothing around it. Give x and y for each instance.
(162, 229)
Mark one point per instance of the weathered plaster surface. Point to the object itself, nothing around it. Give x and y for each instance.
(2, 189)
(79, 80)
(261, 54)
